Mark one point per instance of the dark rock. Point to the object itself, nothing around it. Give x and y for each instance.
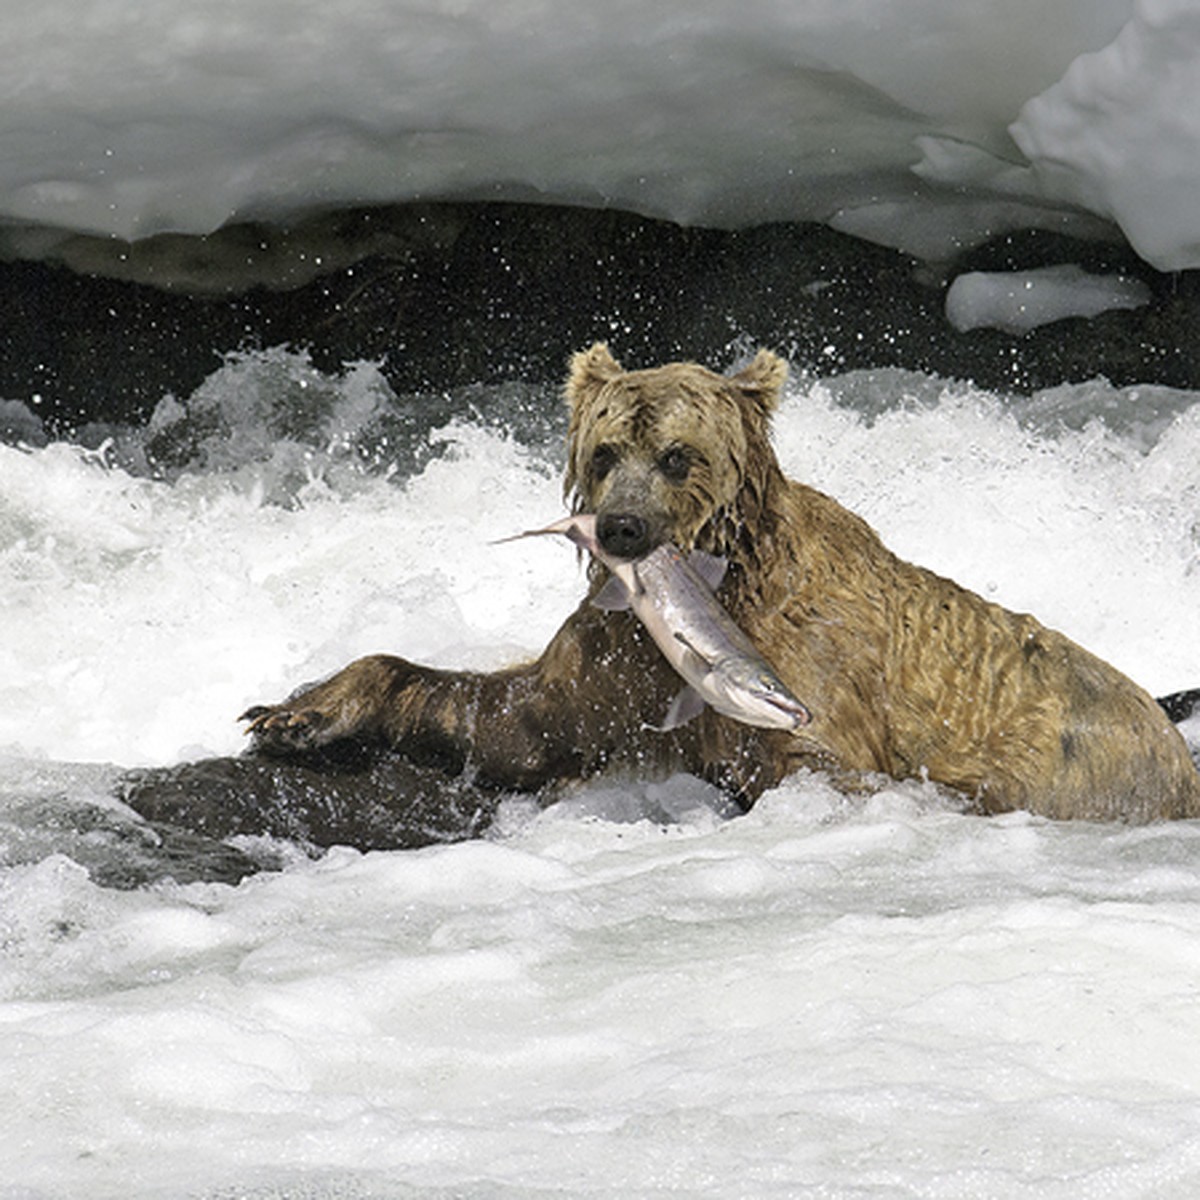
(371, 803)
(116, 848)
(1181, 706)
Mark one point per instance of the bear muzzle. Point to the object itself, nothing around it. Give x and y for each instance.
(634, 514)
(624, 535)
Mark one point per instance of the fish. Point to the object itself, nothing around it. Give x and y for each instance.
(673, 595)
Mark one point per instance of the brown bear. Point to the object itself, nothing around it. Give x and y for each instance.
(905, 672)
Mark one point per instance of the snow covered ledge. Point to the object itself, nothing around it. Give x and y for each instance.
(1119, 134)
(1017, 302)
(123, 120)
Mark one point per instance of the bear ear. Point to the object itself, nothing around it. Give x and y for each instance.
(590, 371)
(762, 380)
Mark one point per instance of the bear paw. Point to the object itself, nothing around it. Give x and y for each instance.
(276, 726)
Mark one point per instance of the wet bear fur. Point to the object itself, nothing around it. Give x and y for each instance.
(906, 673)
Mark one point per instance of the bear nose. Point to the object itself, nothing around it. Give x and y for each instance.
(623, 535)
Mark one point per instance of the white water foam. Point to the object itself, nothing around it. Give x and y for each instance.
(626, 994)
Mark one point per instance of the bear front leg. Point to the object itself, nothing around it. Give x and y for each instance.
(584, 704)
(516, 729)
(352, 705)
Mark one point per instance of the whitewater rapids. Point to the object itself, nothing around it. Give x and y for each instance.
(631, 993)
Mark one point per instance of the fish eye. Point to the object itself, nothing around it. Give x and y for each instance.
(675, 464)
(603, 461)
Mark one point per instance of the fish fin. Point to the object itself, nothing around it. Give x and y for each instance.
(612, 597)
(710, 567)
(688, 705)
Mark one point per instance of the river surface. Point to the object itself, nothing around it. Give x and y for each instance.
(631, 993)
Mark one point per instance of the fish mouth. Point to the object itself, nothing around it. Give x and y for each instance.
(799, 712)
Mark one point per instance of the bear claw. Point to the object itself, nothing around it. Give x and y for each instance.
(297, 727)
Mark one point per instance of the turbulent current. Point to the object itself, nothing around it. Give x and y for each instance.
(632, 993)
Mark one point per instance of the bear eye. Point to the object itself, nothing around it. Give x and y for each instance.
(675, 464)
(603, 461)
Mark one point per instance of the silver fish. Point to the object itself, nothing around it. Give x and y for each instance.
(672, 596)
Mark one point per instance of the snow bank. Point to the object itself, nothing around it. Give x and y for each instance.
(1119, 134)
(127, 120)
(1020, 301)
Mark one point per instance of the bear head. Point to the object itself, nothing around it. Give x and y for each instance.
(675, 453)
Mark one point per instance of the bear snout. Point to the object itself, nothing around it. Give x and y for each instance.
(624, 535)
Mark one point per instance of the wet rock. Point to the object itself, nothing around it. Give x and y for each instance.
(369, 803)
(115, 847)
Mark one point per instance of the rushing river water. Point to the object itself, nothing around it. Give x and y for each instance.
(631, 993)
